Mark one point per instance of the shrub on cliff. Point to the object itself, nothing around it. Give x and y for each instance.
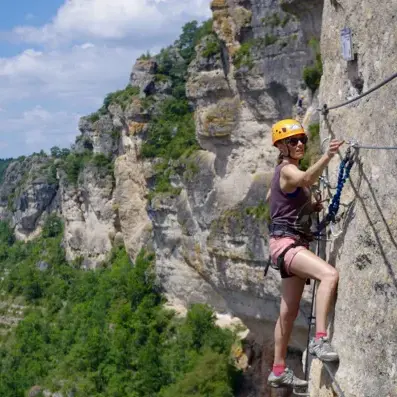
(243, 56)
(171, 137)
(212, 46)
(121, 97)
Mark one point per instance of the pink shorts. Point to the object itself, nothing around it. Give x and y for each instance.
(277, 245)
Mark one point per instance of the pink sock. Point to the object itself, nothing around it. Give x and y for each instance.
(320, 335)
(278, 369)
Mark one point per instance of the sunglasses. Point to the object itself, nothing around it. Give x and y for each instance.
(293, 141)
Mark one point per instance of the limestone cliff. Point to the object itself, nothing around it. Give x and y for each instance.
(203, 212)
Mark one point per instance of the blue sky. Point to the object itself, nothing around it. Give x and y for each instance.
(59, 58)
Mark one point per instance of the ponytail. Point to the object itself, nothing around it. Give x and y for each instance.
(280, 158)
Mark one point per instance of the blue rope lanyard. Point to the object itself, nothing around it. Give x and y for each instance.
(344, 173)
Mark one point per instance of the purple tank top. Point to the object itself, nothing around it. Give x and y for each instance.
(292, 210)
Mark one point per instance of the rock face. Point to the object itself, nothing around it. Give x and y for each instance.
(29, 192)
(210, 238)
(365, 313)
(89, 217)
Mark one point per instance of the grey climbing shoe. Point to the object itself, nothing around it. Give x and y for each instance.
(286, 379)
(323, 350)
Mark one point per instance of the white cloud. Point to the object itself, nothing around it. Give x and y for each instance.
(114, 19)
(37, 129)
(82, 71)
(89, 49)
(46, 93)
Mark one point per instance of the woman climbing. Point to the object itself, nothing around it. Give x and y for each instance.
(291, 208)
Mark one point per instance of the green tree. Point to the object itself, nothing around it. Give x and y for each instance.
(55, 152)
(210, 377)
(53, 226)
(188, 39)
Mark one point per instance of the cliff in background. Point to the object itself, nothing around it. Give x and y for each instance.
(147, 171)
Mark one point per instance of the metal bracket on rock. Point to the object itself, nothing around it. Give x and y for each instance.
(333, 226)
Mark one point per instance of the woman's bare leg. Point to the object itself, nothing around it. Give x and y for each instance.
(292, 289)
(308, 265)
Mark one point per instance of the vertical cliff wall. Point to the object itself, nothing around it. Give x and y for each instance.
(365, 318)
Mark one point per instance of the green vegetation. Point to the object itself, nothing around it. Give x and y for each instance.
(272, 20)
(58, 153)
(105, 332)
(103, 162)
(4, 163)
(173, 61)
(260, 212)
(190, 37)
(172, 138)
(94, 117)
(212, 46)
(285, 20)
(121, 97)
(313, 149)
(145, 57)
(270, 39)
(275, 20)
(171, 131)
(160, 77)
(52, 227)
(74, 163)
(312, 74)
(243, 56)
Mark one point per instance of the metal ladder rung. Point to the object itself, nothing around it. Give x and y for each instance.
(299, 393)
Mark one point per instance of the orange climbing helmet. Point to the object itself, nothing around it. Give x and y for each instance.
(286, 128)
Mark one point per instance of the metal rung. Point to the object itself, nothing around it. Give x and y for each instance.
(295, 392)
(299, 393)
(312, 320)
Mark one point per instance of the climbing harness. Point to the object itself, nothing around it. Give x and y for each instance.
(280, 265)
(280, 261)
(325, 109)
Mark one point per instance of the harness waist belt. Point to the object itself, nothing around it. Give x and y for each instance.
(279, 230)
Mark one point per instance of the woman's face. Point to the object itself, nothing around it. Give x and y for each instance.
(294, 146)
